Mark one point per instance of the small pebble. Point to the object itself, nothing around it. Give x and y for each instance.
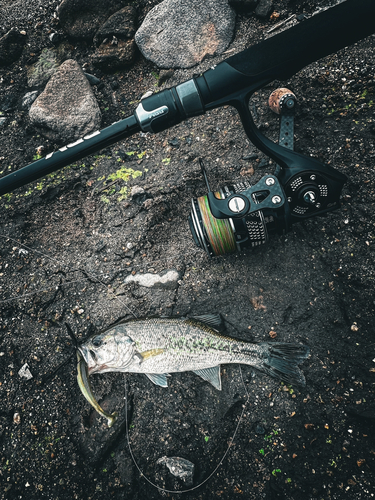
(24, 372)
(259, 429)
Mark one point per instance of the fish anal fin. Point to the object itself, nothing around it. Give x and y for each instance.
(158, 378)
(211, 375)
(213, 320)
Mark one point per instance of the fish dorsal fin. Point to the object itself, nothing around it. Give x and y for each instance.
(211, 375)
(158, 378)
(213, 320)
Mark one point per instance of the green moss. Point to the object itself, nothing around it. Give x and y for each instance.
(123, 194)
(124, 174)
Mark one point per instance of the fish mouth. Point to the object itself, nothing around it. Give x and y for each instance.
(89, 357)
(83, 353)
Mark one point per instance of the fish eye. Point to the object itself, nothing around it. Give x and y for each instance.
(97, 341)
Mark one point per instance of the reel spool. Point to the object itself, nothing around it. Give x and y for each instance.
(220, 236)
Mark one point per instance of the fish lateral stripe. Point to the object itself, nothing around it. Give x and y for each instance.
(151, 353)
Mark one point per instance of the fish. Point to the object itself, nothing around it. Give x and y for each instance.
(159, 346)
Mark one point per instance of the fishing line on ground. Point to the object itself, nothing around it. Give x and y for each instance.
(42, 290)
(72, 269)
(160, 488)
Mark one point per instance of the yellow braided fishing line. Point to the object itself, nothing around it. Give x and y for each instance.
(219, 232)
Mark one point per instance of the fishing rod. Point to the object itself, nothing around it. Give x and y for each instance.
(302, 186)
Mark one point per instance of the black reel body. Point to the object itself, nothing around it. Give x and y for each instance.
(219, 230)
(244, 215)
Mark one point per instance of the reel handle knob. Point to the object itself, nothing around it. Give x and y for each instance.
(282, 101)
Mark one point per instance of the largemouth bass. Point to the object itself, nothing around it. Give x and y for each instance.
(158, 347)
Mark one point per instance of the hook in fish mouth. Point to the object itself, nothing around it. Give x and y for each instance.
(85, 386)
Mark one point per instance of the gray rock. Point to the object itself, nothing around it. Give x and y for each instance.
(114, 54)
(55, 38)
(2, 120)
(28, 99)
(264, 9)
(122, 25)
(82, 18)
(166, 280)
(11, 46)
(179, 467)
(136, 191)
(180, 33)
(39, 73)
(115, 41)
(67, 109)
(92, 79)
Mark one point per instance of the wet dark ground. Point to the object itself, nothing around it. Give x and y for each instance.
(66, 249)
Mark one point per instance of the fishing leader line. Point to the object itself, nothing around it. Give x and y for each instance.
(160, 488)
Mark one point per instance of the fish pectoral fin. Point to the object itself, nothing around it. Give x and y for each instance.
(211, 375)
(158, 378)
(150, 353)
(213, 320)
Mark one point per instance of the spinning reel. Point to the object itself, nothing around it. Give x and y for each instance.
(244, 215)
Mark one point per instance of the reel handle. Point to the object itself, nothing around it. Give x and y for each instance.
(248, 202)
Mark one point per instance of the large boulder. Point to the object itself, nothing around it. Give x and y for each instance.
(67, 108)
(180, 33)
(82, 18)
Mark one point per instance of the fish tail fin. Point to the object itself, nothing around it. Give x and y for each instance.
(283, 360)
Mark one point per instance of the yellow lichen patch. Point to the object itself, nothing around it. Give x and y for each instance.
(124, 174)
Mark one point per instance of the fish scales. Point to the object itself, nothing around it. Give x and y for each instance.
(187, 346)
